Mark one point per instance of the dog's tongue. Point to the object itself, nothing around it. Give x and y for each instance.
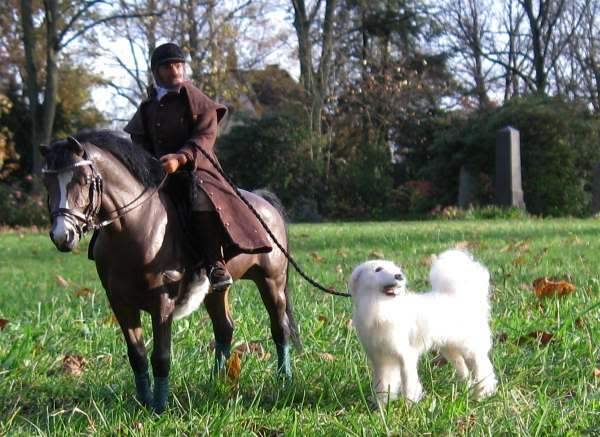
(390, 291)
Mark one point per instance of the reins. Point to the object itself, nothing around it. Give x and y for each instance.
(266, 228)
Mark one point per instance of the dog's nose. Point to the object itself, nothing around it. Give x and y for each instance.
(398, 277)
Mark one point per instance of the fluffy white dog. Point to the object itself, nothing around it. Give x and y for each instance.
(396, 326)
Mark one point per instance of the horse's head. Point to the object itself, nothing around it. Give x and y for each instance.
(73, 186)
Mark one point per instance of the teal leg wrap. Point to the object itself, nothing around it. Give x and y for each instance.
(284, 366)
(142, 388)
(161, 394)
(222, 352)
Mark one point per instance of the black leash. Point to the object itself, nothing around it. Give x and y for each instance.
(266, 228)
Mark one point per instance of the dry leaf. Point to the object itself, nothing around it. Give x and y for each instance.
(73, 364)
(84, 292)
(342, 253)
(597, 372)
(111, 320)
(138, 426)
(3, 323)
(466, 423)
(234, 367)
(325, 356)
(318, 258)
(62, 281)
(543, 287)
(252, 347)
(542, 337)
(377, 254)
(462, 245)
(323, 318)
(349, 324)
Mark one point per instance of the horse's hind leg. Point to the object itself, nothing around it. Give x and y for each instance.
(218, 309)
(272, 291)
(130, 323)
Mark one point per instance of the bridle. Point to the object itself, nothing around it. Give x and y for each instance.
(87, 220)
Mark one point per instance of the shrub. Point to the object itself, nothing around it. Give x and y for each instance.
(20, 206)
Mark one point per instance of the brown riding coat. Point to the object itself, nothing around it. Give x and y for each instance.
(182, 123)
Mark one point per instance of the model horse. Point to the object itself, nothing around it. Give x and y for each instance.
(101, 180)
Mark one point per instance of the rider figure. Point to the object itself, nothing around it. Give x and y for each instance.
(173, 123)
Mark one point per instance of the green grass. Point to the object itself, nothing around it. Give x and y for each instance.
(544, 390)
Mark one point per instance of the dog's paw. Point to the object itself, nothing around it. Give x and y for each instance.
(415, 394)
(484, 388)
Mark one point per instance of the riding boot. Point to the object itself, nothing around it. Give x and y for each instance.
(210, 234)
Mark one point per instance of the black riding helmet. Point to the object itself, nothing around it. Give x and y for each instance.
(164, 53)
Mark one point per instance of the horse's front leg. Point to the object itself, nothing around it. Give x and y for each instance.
(218, 309)
(130, 323)
(161, 352)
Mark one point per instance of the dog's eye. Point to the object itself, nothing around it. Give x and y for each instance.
(378, 269)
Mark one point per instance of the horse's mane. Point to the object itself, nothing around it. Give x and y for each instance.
(141, 164)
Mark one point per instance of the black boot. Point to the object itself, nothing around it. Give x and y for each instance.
(210, 234)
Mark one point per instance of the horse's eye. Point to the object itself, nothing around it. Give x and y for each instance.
(378, 269)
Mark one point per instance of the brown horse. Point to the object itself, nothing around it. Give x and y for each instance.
(100, 180)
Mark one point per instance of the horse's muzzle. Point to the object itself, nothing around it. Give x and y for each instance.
(65, 240)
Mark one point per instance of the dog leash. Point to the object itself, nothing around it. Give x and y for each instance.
(266, 228)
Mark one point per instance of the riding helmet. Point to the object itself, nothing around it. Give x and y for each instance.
(164, 53)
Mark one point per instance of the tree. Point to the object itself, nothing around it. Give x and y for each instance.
(62, 25)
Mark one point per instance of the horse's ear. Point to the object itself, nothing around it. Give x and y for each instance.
(75, 146)
(44, 150)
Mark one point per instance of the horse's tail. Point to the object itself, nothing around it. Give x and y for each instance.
(294, 331)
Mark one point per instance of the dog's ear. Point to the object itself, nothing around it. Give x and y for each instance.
(353, 283)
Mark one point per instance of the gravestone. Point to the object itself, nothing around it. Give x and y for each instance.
(509, 191)
(467, 184)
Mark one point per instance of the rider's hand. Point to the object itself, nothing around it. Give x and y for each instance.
(172, 161)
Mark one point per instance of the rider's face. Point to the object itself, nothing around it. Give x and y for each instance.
(171, 74)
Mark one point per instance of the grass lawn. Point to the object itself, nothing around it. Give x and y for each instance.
(549, 383)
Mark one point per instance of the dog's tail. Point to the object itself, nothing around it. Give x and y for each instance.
(456, 272)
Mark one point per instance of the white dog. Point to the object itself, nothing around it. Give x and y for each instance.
(396, 326)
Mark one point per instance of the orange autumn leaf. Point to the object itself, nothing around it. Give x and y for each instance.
(325, 356)
(252, 347)
(62, 281)
(318, 258)
(84, 292)
(3, 323)
(542, 337)
(234, 367)
(543, 287)
(73, 364)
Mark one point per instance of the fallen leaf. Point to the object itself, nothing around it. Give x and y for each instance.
(349, 324)
(318, 258)
(342, 253)
(466, 423)
(543, 287)
(462, 245)
(597, 372)
(73, 364)
(62, 281)
(234, 367)
(325, 356)
(323, 318)
(138, 426)
(3, 323)
(542, 337)
(84, 292)
(377, 254)
(252, 347)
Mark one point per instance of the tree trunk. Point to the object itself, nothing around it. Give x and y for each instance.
(31, 84)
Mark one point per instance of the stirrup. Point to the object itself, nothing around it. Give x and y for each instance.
(220, 283)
